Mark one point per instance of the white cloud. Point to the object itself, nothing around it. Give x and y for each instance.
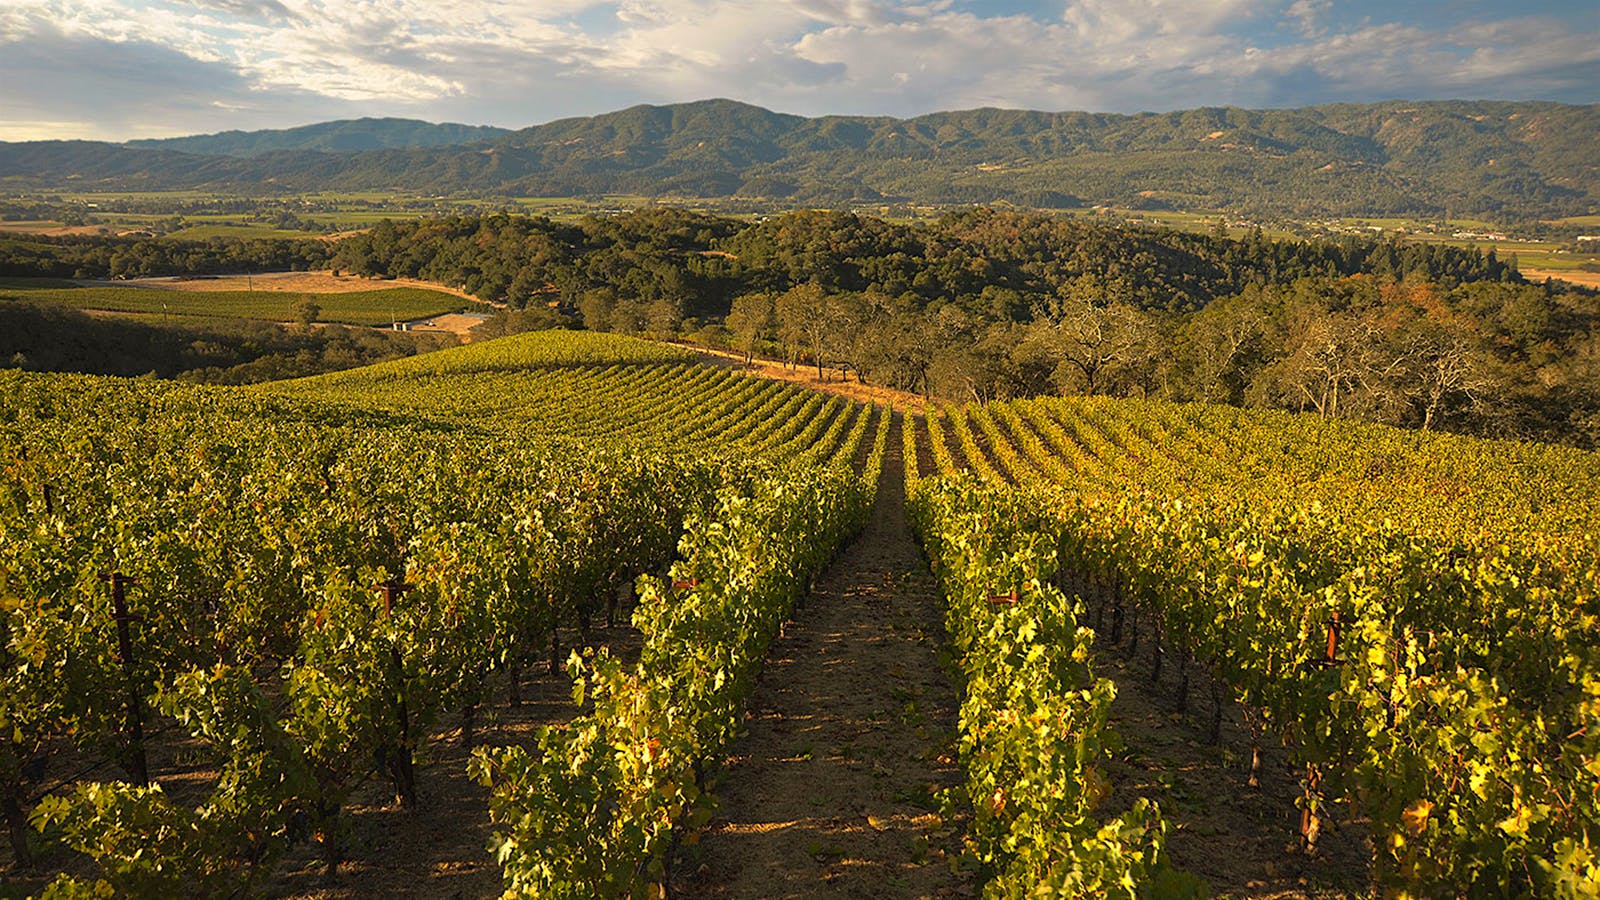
(514, 63)
(251, 9)
(1521, 59)
(1309, 16)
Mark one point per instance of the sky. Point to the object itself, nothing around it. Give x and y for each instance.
(121, 69)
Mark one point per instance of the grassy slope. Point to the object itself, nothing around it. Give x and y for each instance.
(376, 307)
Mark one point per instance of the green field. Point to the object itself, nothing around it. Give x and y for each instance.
(233, 230)
(339, 209)
(379, 307)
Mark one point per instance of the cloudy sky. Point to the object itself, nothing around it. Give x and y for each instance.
(117, 69)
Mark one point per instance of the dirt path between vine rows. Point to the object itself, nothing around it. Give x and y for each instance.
(832, 792)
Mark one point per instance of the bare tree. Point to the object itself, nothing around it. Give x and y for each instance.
(751, 319)
(1091, 339)
(803, 320)
(1434, 364)
(847, 318)
(1219, 344)
(1325, 361)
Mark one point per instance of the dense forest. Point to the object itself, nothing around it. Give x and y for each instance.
(1499, 160)
(986, 305)
(988, 261)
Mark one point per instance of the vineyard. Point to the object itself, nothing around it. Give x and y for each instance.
(525, 590)
(310, 581)
(1414, 620)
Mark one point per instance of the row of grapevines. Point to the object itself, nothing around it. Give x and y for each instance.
(1033, 719)
(943, 461)
(1441, 484)
(594, 811)
(662, 406)
(532, 350)
(365, 677)
(251, 534)
(1459, 708)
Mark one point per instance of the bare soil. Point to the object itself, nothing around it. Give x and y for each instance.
(53, 229)
(321, 281)
(1573, 276)
(449, 323)
(831, 382)
(832, 792)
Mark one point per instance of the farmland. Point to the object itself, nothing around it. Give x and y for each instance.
(200, 215)
(1408, 620)
(678, 455)
(520, 595)
(369, 307)
(197, 215)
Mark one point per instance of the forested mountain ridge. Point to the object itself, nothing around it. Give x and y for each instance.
(1500, 160)
(342, 136)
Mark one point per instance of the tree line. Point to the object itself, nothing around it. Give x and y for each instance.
(105, 256)
(48, 338)
(1485, 358)
(984, 304)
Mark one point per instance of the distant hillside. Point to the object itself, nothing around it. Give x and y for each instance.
(1492, 159)
(344, 136)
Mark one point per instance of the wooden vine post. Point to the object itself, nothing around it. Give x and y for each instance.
(138, 765)
(1310, 822)
(401, 765)
(44, 486)
(1117, 614)
(12, 791)
(1007, 599)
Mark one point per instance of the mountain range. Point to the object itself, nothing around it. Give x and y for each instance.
(342, 136)
(1492, 159)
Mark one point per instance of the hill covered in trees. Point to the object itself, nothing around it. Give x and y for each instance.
(342, 136)
(986, 305)
(1502, 160)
